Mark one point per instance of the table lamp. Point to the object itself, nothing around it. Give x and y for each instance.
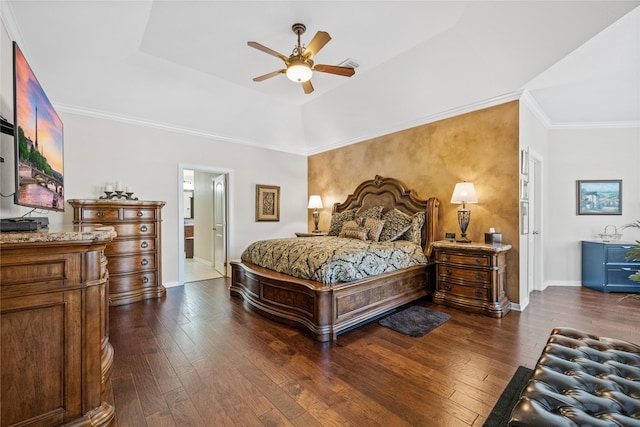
(315, 203)
(464, 192)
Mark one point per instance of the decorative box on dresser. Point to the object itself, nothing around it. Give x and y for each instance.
(55, 355)
(135, 256)
(472, 277)
(605, 266)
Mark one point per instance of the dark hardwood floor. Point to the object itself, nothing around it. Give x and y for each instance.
(198, 358)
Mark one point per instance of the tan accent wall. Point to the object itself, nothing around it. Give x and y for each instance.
(481, 147)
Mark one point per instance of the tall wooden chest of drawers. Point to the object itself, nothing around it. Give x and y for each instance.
(472, 277)
(134, 257)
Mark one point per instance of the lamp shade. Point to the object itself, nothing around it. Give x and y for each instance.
(464, 192)
(299, 71)
(315, 202)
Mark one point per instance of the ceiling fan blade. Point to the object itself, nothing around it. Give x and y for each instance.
(307, 86)
(267, 50)
(335, 69)
(317, 42)
(268, 75)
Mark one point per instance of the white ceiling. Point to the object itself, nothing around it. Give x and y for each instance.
(185, 65)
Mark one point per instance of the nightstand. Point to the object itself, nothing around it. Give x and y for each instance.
(301, 234)
(472, 277)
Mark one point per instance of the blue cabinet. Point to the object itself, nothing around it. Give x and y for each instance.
(606, 269)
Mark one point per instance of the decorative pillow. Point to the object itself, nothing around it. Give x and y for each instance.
(414, 233)
(375, 228)
(396, 223)
(373, 212)
(338, 220)
(351, 230)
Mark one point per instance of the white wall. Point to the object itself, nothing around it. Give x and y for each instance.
(578, 155)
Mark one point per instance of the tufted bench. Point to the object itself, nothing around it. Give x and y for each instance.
(582, 380)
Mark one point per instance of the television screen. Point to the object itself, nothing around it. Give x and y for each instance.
(39, 142)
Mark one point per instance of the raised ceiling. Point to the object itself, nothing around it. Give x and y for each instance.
(185, 65)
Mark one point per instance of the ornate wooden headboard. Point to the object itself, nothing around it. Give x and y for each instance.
(391, 193)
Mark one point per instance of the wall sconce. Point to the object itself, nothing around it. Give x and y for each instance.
(315, 203)
(464, 192)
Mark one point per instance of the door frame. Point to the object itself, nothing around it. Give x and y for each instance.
(180, 197)
(531, 259)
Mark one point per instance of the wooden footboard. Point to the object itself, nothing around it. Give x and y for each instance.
(326, 310)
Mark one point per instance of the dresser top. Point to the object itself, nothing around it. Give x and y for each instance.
(611, 242)
(61, 233)
(448, 244)
(114, 202)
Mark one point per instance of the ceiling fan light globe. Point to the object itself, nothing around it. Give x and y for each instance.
(299, 72)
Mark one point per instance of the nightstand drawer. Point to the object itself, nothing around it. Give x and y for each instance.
(447, 271)
(475, 292)
(470, 260)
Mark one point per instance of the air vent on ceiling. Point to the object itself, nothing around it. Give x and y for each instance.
(349, 62)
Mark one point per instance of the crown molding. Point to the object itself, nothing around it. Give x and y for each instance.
(162, 126)
(475, 106)
(529, 100)
(9, 22)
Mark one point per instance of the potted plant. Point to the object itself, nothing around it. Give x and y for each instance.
(634, 253)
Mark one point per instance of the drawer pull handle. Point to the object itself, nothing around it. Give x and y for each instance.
(446, 287)
(479, 275)
(448, 271)
(144, 228)
(100, 214)
(140, 213)
(478, 292)
(144, 261)
(479, 260)
(144, 245)
(145, 280)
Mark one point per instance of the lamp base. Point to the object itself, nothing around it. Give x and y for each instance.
(463, 239)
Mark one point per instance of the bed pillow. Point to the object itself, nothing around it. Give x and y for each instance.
(373, 212)
(375, 228)
(338, 220)
(396, 223)
(352, 230)
(414, 233)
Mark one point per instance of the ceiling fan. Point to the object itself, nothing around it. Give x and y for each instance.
(300, 65)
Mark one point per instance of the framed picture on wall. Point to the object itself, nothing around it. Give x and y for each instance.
(524, 161)
(524, 217)
(599, 197)
(524, 189)
(267, 203)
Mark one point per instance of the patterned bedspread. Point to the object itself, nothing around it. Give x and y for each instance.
(333, 259)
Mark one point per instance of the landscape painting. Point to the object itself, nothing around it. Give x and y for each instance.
(602, 197)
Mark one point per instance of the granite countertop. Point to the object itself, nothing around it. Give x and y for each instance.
(61, 233)
(473, 245)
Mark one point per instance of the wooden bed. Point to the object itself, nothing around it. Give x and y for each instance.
(327, 310)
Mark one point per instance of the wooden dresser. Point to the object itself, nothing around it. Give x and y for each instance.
(472, 277)
(55, 355)
(135, 258)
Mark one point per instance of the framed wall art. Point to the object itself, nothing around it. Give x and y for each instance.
(524, 161)
(267, 203)
(599, 197)
(524, 217)
(524, 189)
